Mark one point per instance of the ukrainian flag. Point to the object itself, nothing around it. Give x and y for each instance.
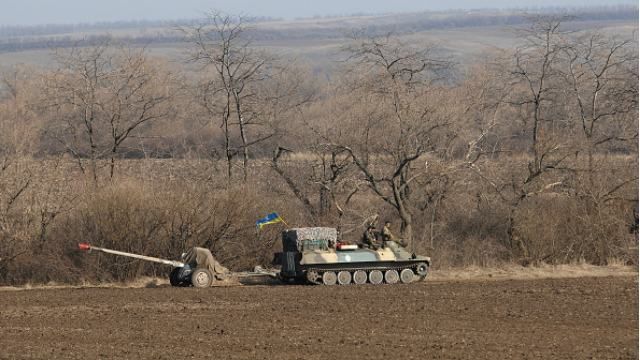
(269, 219)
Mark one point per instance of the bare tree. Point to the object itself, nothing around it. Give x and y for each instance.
(138, 94)
(401, 82)
(73, 92)
(102, 96)
(15, 226)
(223, 48)
(534, 92)
(19, 125)
(602, 73)
(569, 95)
(329, 167)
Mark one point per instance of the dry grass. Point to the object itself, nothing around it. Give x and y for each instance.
(474, 273)
(515, 272)
(141, 282)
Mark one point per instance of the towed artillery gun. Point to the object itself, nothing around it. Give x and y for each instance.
(198, 267)
(314, 255)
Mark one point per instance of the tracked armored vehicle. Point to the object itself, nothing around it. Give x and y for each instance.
(314, 255)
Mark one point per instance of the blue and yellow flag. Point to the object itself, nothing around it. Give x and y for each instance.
(269, 219)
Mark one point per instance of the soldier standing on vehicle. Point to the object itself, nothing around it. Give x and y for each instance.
(387, 235)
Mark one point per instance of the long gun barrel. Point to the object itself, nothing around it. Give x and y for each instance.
(88, 247)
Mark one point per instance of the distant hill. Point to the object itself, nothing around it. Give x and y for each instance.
(33, 37)
(465, 33)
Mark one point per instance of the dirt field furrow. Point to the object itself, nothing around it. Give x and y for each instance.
(521, 319)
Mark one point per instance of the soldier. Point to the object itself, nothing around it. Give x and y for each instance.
(369, 238)
(387, 235)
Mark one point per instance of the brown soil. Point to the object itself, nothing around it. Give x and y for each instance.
(545, 318)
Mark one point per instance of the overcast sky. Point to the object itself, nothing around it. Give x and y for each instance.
(30, 12)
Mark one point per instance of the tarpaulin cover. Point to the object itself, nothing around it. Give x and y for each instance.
(293, 238)
(198, 257)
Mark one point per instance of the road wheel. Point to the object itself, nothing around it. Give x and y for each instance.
(344, 278)
(313, 277)
(329, 278)
(391, 276)
(174, 277)
(376, 277)
(201, 278)
(360, 277)
(422, 269)
(406, 276)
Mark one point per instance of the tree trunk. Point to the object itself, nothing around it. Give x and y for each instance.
(243, 135)
(112, 164)
(434, 213)
(325, 201)
(114, 151)
(227, 140)
(296, 191)
(406, 229)
(515, 242)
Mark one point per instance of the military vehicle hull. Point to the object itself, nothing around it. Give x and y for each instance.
(313, 255)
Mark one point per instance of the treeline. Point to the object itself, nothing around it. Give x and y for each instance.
(528, 156)
(56, 29)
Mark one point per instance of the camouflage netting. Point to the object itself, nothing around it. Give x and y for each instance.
(298, 235)
(202, 258)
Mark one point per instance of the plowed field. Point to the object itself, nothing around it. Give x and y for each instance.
(521, 319)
